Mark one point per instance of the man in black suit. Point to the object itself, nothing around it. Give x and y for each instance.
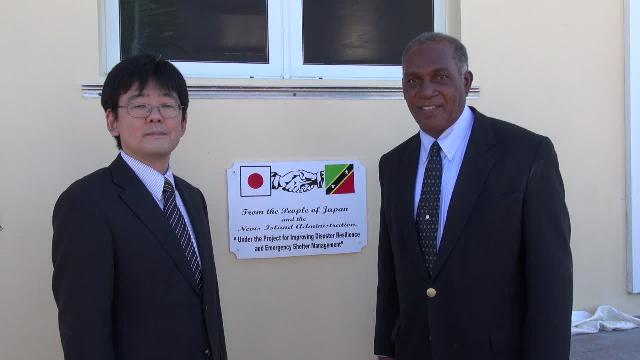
(133, 269)
(474, 259)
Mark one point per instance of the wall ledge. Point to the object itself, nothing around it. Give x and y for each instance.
(286, 92)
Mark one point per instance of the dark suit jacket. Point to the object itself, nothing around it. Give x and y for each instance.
(120, 278)
(503, 274)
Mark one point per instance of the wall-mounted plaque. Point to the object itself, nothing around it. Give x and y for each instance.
(280, 209)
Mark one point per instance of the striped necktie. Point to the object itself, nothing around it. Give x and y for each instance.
(179, 225)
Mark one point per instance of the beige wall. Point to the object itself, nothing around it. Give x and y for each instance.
(555, 67)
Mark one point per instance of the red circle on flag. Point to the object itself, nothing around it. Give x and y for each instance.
(255, 180)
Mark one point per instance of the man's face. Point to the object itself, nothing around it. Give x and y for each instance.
(433, 87)
(150, 139)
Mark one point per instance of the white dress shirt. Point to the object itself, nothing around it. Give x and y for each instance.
(453, 143)
(154, 182)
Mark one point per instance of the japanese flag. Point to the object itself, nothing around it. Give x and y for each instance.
(255, 181)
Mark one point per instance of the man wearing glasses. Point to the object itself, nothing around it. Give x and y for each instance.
(133, 269)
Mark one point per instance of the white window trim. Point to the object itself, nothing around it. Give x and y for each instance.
(285, 50)
(299, 70)
(632, 101)
(202, 69)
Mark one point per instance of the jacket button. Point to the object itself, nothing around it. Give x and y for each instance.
(431, 292)
(207, 352)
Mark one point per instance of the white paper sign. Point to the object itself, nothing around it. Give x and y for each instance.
(280, 209)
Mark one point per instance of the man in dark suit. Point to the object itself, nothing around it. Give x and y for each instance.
(133, 269)
(474, 259)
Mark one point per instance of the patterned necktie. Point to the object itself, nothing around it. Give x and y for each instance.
(428, 214)
(179, 225)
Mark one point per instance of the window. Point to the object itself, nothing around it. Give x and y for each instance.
(219, 31)
(218, 38)
(271, 38)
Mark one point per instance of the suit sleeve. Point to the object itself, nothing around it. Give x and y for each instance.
(387, 294)
(82, 277)
(548, 263)
(220, 332)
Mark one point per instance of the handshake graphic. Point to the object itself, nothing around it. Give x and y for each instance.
(297, 181)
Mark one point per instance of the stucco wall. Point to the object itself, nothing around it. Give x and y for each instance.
(555, 67)
(558, 68)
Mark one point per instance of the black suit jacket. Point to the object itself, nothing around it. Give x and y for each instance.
(120, 278)
(503, 274)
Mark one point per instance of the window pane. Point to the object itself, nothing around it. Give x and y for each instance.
(369, 32)
(195, 30)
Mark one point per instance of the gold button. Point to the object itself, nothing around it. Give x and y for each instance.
(431, 292)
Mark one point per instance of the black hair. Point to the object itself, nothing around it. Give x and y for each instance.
(459, 50)
(137, 71)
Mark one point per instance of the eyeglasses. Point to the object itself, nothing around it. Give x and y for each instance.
(142, 111)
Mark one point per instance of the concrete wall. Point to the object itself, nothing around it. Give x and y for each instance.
(555, 67)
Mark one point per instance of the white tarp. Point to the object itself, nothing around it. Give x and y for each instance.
(605, 318)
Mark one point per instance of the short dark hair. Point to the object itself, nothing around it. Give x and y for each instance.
(137, 71)
(459, 50)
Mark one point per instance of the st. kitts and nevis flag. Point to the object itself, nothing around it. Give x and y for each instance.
(339, 179)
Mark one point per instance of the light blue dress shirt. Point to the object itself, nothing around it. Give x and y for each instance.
(453, 143)
(154, 182)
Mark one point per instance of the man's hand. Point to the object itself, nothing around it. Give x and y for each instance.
(292, 181)
(297, 181)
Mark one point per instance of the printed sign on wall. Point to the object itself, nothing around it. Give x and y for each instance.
(280, 209)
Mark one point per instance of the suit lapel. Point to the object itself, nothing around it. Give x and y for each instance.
(193, 204)
(141, 202)
(475, 167)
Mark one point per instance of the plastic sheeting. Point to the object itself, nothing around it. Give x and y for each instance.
(605, 318)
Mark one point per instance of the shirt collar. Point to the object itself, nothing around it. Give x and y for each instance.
(150, 177)
(450, 139)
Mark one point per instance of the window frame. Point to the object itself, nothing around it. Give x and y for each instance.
(206, 69)
(369, 72)
(284, 22)
(632, 114)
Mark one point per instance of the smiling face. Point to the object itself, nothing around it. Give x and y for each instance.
(151, 139)
(434, 87)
